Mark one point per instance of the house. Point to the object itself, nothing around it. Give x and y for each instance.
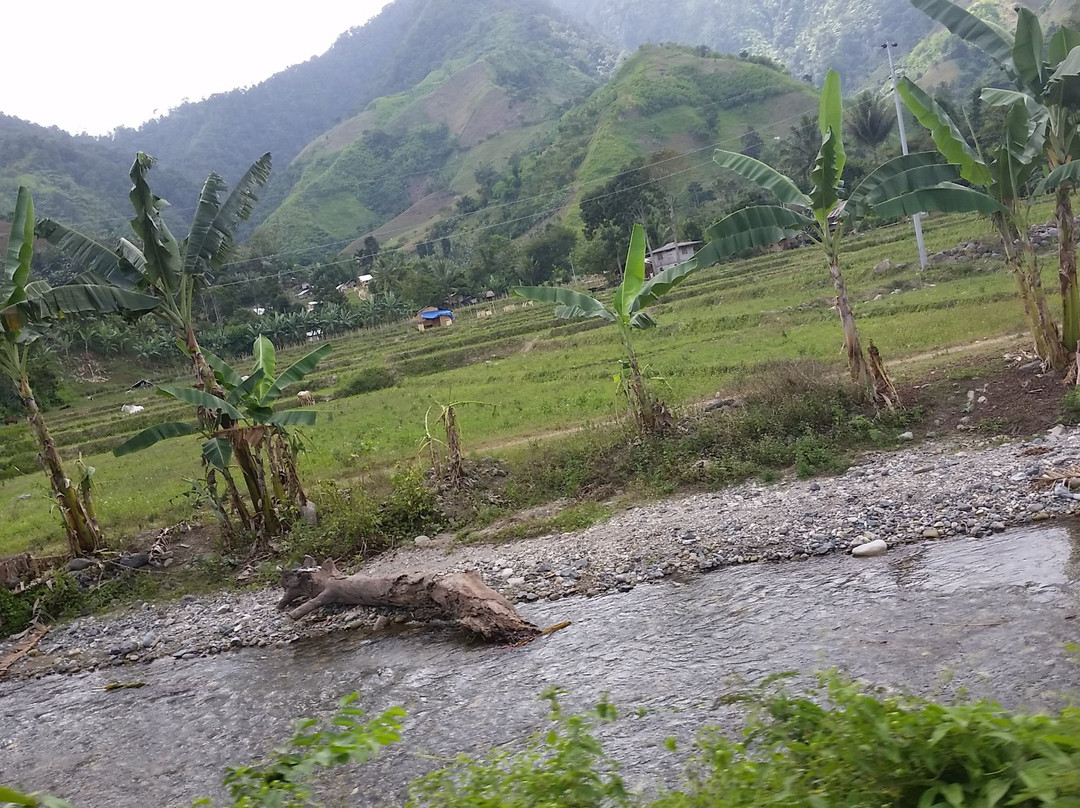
(669, 255)
(432, 317)
(363, 284)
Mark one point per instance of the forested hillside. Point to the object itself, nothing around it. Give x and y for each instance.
(808, 38)
(509, 74)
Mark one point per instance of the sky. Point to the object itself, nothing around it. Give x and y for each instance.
(93, 66)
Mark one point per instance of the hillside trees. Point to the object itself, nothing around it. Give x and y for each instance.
(903, 186)
(870, 121)
(27, 309)
(1048, 77)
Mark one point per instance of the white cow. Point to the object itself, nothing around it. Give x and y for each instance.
(305, 398)
(131, 409)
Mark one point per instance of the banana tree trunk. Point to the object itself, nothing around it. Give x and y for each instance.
(83, 534)
(852, 346)
(1024, 264)
(1070, 292)
(645, 409)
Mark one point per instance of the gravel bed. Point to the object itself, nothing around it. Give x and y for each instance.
(933, 491)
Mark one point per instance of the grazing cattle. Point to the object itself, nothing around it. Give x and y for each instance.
(305, 398)
(11, 419)
(131, 409)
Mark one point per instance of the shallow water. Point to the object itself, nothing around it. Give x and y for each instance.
(987, 616)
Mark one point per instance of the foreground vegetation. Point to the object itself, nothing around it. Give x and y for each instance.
(838, 745)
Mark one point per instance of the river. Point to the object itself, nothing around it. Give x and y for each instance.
(987, 617)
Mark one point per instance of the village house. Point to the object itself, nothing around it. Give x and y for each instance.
(669, 255)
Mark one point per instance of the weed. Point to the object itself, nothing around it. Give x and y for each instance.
(1070, 406)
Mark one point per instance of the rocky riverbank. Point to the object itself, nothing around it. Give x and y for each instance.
(931, 492)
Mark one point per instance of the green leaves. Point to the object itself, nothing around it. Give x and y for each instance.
(20, 250)
(763, 176)
(151, 435)
(952, 145)
(633, 275)
(751, 228)
(988, 38)
(570, 304)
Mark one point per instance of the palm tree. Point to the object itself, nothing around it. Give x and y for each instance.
(798, 150)
(27, 309)
(870, 121)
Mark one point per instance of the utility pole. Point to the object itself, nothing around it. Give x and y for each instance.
(916, 220)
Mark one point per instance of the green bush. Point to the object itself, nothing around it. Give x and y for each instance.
(367, 380)
(1070, 406)
(355, 524)
(15, 612)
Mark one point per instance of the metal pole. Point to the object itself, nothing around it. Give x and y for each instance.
(916, 220)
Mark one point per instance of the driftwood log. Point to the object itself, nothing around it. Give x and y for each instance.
(459, 596)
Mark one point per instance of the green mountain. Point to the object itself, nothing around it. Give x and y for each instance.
(807, 37)
(513, 70)
(81, 180)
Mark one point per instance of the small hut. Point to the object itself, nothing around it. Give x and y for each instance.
(433, 317)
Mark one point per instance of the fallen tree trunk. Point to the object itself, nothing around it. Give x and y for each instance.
(459, 596)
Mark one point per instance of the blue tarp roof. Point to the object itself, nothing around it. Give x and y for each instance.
(435, 315)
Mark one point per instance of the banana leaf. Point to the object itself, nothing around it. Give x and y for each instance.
(946, 136)
(218, 453)
(763, 176)
(295, 372)
(987, 37)
(571, 304)
(831, 118)
(151, 435)
(293, 418)
(947, 198)
(1027, 50)
(189, 395)
(159, 246)
(633, 275)
(824, 176)
(751, 228)
(663, 282)
(20, 250)
(1061, 43)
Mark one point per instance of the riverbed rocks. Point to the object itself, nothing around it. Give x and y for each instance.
(963, 489)
(870, 549)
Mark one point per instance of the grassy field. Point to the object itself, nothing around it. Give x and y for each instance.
(541, 375)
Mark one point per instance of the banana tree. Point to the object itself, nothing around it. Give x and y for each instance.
(1003, 173)
(902, 186)
(1045, 75)
(172, 271)
(627, 311)
(27, 309)
(247, 435)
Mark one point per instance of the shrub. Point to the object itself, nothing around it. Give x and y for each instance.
(367, 380)
(355, 524)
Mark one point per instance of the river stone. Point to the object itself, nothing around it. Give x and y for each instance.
(872, 548)
(422, 541)
(931, 533)
(77, 564)
(135, 561)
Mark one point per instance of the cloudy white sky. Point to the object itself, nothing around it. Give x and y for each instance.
(92, 66)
